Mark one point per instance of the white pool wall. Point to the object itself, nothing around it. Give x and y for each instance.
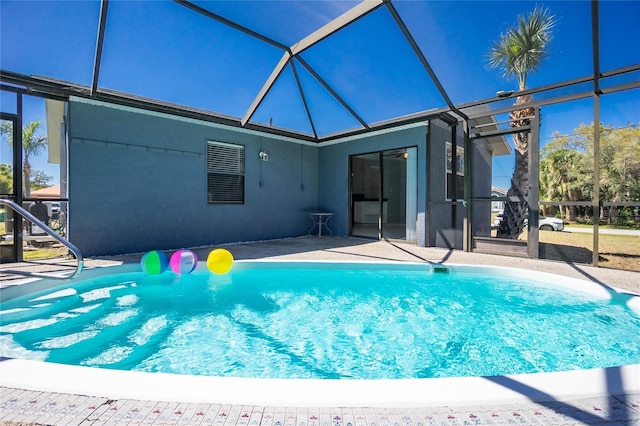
(458, 391)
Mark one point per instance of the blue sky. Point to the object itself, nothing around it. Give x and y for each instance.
(164, 51)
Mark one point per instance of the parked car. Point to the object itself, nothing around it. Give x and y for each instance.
(550, 224)
(545, 223)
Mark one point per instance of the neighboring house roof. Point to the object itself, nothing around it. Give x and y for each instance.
(496, 190)
(50, 192)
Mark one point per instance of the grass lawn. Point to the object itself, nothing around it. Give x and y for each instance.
(616, 251)
(44, 253)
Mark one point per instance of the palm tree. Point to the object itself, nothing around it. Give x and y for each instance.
(564, 172)
(519, 52)
(33, 144)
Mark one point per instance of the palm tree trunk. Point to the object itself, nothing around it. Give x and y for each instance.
(26, 174)
(515, 212)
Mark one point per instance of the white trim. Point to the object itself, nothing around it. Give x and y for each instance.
(456, 391)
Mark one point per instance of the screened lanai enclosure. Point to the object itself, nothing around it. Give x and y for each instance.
(133, 126)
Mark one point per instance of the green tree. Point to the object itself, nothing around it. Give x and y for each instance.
(566, 166)
(619, 162)
(6, 179)
(518, 53)
(565, 172)
(40, 179)
(33, 144)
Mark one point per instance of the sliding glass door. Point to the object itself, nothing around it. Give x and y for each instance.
(9, 224)
(383, 194)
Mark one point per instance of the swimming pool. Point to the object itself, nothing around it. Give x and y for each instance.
(267, 321)
(457, 391)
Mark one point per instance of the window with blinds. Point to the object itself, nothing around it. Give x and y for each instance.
(225, 173)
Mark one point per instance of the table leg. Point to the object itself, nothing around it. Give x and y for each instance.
(313, 219)
(318, 221)
(326, 223)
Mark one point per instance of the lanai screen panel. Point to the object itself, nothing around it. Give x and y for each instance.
(372, 66)
(361, 73)
(620, 34)
(286, 22)
(182, 57)
(55, 39)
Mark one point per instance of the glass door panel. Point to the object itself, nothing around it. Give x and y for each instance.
(393, 194)
(365, 195)
(412, 194)
(383, 194)
(7, 234)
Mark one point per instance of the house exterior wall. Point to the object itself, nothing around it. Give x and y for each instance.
(440, 231)
(137, 182)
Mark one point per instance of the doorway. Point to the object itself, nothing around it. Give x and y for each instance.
(33, 167)
(10, 223)
(513, 227)
(384, 194)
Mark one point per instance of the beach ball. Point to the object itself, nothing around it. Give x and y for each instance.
(219, 261)
(154, 262)
(183, 262)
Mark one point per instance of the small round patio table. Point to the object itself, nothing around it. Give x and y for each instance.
(319, 219)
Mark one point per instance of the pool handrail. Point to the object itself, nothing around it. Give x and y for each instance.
(76, 252)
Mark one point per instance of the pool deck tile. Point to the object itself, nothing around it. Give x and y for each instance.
(19, 407)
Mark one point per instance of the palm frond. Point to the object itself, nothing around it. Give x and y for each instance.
(521, 50)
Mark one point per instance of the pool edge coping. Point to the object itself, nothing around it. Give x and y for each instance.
(456, 391)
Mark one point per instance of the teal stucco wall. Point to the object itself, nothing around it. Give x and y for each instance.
(137, 182)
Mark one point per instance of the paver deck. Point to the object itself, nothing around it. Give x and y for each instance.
(18, 407)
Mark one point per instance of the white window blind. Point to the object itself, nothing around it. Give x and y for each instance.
(225, 173)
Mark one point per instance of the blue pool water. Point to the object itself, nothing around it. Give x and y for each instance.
(337, 321)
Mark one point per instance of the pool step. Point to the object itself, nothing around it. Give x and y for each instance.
(134, 347)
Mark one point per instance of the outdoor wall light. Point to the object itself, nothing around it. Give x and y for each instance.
(264, 156)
